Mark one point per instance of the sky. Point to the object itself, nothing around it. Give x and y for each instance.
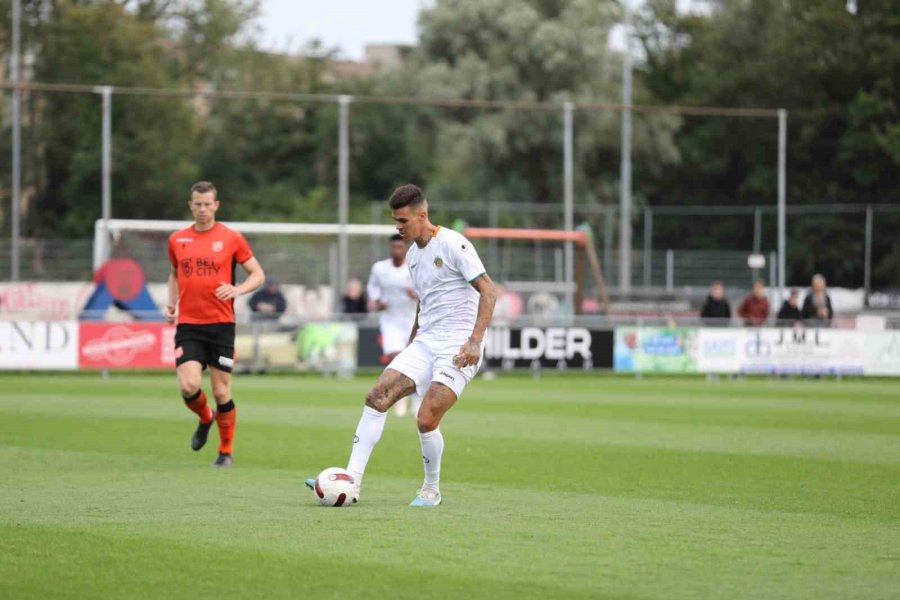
(287, 25)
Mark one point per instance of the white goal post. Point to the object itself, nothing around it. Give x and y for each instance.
(106, 229)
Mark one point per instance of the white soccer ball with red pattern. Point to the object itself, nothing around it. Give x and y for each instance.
(335, 487)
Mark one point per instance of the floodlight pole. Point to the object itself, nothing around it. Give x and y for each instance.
(343, 190)
(867, 265)
(625, 175)
(106, 94)
(757, 238)
(16, 77)
(782, 199)
(648, 246)
(569, 199)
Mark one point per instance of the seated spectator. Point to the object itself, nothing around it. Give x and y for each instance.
(268, 303)
(354, 301)
(817, 305)
(754, 310)
(716, 311)
(790, 314)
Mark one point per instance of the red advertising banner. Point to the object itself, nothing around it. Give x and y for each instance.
(126, 346)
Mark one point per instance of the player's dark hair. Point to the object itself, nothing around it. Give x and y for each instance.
(396, 238)
(406, 195)
(204, 187)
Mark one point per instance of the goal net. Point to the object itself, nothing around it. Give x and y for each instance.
(532, 263)
(314, 262)
(307, 259)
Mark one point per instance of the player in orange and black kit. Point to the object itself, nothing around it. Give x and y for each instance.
(201, 297)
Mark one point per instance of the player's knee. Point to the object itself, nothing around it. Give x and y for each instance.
(189, 386)
(221, 392)
(378, 400)
(427, 420)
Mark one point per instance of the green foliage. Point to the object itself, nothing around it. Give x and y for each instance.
(836, 73)
(526, 50)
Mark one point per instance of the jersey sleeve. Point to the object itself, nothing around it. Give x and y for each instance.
(373, 287)
(242, 251)
(465, 258)
(172, 258)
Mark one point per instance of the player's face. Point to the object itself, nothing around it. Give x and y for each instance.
(203, 207)
(398, 251)
(410, 222)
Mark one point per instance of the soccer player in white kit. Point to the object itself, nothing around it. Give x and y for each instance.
(390, 292)
(456, 302)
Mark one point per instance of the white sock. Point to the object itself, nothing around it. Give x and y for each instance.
(368, 432)
(432, 449)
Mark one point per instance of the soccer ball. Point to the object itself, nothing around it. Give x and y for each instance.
(335, 487)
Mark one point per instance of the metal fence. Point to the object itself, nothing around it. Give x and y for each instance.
(656, 258)
(564, 126)
(315, 260)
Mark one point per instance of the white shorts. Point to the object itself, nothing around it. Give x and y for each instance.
(393, 338)
(427, 360)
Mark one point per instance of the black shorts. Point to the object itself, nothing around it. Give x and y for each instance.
(210, 345)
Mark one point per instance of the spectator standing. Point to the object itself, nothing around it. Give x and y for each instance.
(817, 309)
(716, 311)
(754, 310)
(789, 313)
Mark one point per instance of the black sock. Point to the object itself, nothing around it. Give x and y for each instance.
(227, 407)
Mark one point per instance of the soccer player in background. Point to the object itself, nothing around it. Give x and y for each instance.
(201, 299)
(456, 302)
(390, 293)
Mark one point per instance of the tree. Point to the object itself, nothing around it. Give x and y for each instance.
(545, 51)
(835, 72)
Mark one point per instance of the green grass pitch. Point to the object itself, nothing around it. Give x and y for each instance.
(562, 487)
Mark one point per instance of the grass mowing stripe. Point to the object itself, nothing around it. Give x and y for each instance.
(480, 530)
(835, 444)
(743, 480)
(96, 477)
(118, 569)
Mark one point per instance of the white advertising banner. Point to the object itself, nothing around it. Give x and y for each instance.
(796, 351)
(39, 345)
(882, 353)
(719, 350)
(803, 351)
(43, 301)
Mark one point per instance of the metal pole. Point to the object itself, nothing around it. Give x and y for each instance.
(569, 198)
(757, 236)
(625, 175)
(16, 77)
(867, 272)
(106, 94)
(782, 199)
(757, 229)
(493, 222)
(343, 190)
(607, 241)
(670, 270)
(648, 245)
(773, 270)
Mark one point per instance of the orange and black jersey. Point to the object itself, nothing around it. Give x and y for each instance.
(204, 260)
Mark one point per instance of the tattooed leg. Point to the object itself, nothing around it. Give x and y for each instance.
(390, 387)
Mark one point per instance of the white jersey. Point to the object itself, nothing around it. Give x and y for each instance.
(442, 273)
(391, 285)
